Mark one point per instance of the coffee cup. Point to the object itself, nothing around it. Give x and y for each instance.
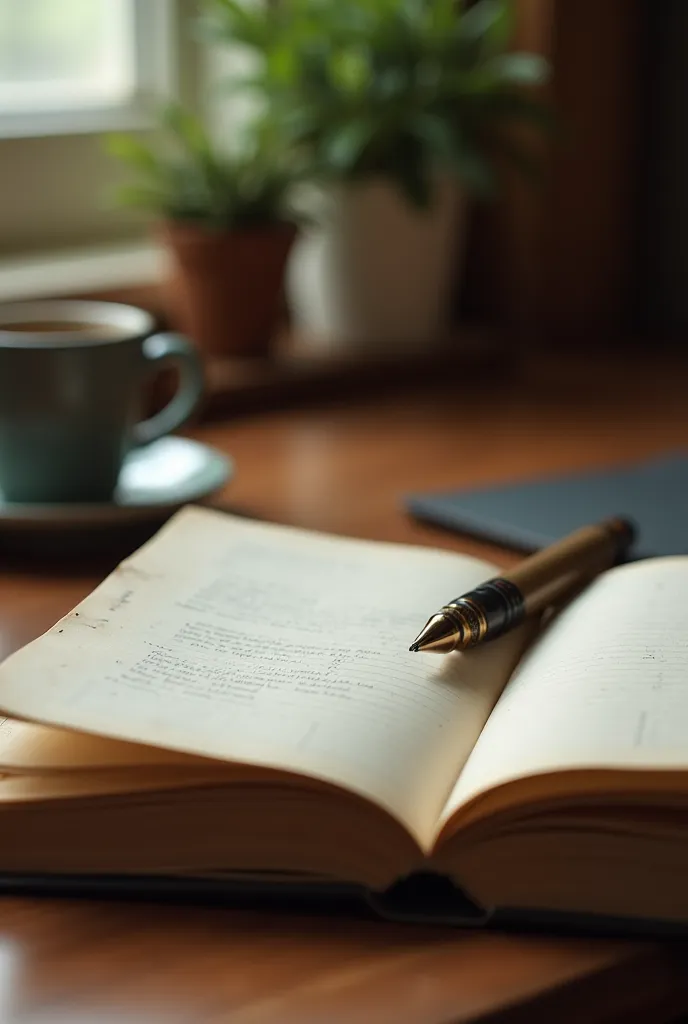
(72, 380)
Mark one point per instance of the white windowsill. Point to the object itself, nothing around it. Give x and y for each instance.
(79, 271)
(133, 116)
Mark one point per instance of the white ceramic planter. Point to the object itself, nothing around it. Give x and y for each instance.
(376, 274)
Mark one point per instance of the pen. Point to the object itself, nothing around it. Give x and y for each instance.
(502, 603)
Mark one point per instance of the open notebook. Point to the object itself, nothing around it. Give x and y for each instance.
(236, 706)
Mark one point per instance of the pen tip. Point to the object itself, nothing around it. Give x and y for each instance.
(439, 635)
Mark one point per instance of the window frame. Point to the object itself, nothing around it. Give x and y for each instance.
(156, 60)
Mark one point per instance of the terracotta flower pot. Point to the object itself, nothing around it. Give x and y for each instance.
(224, 288)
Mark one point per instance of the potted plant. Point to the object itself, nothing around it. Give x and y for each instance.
(401, 109)
(225, 221)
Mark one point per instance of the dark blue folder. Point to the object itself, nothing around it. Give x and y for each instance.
(531, 514)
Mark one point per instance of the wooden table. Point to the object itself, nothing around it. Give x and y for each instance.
(346, 469)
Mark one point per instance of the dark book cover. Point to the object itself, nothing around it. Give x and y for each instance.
(534, 513)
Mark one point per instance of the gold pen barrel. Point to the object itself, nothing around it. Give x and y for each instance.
(500, 604)
(554, 572)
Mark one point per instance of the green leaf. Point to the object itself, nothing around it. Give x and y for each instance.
(488, 23)
(236, 22)
(520, 68)
(132, 151)
(391, 83)
(440, 17)
(140, 197)
(345, 147)
(188, 129)
(299, 123)
(282, 64)
(349, 71)
(436, 135)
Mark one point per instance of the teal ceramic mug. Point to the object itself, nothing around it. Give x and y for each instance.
(72, 378)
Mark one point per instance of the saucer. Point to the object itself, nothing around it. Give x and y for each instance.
(154, 482)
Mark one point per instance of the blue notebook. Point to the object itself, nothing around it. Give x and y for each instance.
(531, 514)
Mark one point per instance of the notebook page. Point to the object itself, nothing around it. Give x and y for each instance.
(26, 748)
(605, 687)
(273, 646)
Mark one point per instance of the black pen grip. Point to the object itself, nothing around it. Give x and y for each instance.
(491, 609)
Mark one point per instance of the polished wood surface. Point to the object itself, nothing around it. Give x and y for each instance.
(346, 469)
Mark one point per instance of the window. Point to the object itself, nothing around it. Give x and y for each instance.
(82, 65)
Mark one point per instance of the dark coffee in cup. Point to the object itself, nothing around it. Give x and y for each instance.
(86, 330)
(71, 382)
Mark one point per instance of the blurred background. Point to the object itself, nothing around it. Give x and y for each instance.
(597, 251)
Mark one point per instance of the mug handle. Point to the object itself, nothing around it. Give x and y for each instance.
(172, 348)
